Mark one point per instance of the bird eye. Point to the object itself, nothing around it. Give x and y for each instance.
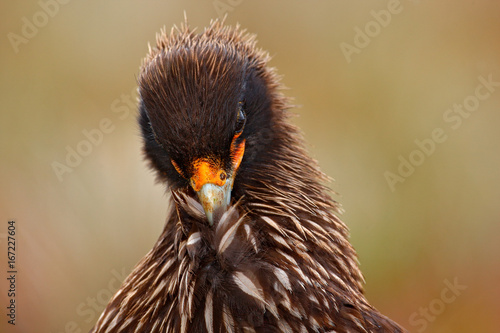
(241, 119)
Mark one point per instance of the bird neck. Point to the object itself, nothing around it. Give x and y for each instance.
(278, 258)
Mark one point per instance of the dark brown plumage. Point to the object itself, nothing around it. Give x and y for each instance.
(271, 255)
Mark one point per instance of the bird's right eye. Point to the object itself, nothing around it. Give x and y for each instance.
(241, 119)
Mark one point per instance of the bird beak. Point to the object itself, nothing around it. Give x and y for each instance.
(213, 186)
(215, 199)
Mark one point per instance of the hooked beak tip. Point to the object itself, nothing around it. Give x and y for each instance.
(215, 200)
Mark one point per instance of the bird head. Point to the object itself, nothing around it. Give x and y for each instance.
(205, 107)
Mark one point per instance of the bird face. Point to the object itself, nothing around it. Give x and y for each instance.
(209, 177)
(200, 104)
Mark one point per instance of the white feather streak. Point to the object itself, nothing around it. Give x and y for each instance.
(283, 278)
(248, 286)
(209, 312)
(194, 238)
(228, 319)
(228, 237)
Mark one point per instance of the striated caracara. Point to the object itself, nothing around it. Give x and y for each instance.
(253, 242)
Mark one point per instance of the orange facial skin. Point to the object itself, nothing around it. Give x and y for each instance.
(177, 168)
(209, 171)
(237, 152)
(206, 172)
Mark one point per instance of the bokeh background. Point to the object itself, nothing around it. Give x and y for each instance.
(79, 233)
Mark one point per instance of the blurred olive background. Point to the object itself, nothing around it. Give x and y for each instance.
(81, 230)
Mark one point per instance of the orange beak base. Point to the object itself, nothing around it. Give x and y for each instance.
(213, 185)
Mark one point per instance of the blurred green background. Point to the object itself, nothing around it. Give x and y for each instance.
(66, 69)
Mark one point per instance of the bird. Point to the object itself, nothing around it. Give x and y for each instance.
(253, 240)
